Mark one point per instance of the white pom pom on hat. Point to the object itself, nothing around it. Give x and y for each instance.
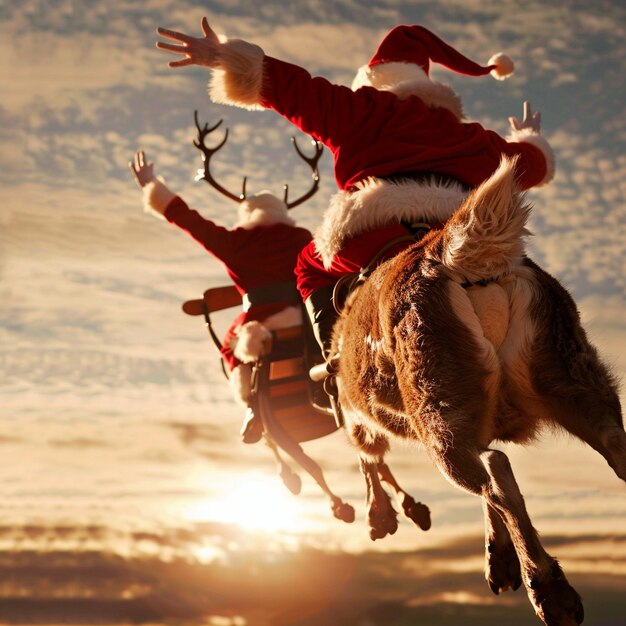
(504, 66)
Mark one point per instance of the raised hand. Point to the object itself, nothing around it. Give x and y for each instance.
(142, 171)
(197, 50)
(531, 120)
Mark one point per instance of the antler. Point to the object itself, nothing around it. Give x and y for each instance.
(312, 161)
(207, 153)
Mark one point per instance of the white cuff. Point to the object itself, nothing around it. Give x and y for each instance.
(239, 77)
(156, 197)
(528, 135)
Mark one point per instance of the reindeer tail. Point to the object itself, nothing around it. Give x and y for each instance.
(483, 239)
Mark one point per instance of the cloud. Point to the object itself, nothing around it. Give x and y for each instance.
(8, 439)
(394, 588)
(118, 413)
(77, 442)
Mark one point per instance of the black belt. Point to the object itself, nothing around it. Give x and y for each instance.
(270, 294)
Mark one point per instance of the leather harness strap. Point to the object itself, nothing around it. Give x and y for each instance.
(346, 284)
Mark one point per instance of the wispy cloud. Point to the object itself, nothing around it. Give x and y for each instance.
(115, 411)
(273, 589)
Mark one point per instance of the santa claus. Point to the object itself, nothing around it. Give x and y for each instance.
(403, 153)
(259, 255)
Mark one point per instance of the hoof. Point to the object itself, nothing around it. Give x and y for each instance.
(382, 525)
(502, 569)
(343, 511)
(556, 602)
(417, 512)
(292, 480)
(252, 429)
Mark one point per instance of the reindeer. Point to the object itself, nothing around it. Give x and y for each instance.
(267, 354)
(460, 341)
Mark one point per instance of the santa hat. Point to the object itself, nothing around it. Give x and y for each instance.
(406, 52)
(262, 209)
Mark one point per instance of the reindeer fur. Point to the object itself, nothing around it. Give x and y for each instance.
(427, 357)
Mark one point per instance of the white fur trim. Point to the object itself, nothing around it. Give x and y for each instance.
(378, 202)
(432, 93)
(504, 66)
(385, 75)
(240, 383)
(239, 77)
(250, 344)
(528, 135)
(156, 197)
(262, 209)
(409, 79)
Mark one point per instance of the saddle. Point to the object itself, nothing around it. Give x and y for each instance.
(288, 400)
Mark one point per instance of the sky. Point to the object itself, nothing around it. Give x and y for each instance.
(125, 493)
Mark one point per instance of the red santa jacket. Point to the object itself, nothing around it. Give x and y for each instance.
(253, 257)
(357, 253)
(375, 133)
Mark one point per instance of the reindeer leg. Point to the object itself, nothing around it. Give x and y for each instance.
(576, 389)
(590, 412)
(591, 420)
(381, 516)
(488, 473)
(289, 477)
(341, 510)
(555, 601)
(502, 568)
(416, 511)
(614, 441)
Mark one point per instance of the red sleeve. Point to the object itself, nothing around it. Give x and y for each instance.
(319, 108)
(532, 166)
(310, 272)
(217, 240)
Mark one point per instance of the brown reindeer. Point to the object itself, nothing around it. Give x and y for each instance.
(460, 341)
(264, 345)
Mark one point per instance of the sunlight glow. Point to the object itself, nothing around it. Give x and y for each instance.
(255, 503)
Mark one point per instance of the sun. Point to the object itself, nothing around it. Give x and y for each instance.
(255, 503)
